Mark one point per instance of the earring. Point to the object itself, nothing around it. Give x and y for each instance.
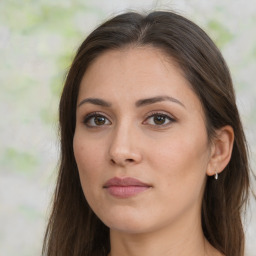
(216, 176)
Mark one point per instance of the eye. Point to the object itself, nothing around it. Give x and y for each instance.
(95, 119)
(159, 119)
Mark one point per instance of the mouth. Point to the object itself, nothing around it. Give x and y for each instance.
(125, 187)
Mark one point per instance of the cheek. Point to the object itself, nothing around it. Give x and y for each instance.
(89, 160)
(179, 152)
(182, 162)
(179, 176)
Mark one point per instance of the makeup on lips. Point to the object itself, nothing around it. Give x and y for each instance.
(125, 187)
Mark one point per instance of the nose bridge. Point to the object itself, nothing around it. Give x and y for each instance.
(122, 138)
(123, 145)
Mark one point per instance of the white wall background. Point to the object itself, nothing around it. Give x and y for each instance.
(37, 41)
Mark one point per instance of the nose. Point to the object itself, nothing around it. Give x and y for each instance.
(124, 147)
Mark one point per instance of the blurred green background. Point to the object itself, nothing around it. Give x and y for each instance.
(38, 39)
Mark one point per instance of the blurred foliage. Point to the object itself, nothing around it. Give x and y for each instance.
(42, 38)
(220, 34)
(19, 161)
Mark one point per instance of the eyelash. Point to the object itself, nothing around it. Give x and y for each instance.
(93, 115)
(160, 114)
(151, 115)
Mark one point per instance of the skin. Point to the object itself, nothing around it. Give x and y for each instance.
(174, 157)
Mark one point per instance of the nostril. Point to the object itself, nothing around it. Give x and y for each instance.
(129, 160)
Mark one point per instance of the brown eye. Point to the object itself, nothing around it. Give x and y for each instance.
(99, 120)
(159, 119)
(94, 120)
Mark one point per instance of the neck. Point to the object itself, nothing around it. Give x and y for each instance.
(183, 240)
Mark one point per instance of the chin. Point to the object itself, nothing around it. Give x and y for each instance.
(129, 228)
(127, 223)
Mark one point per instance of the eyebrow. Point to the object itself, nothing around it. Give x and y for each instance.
(156, 99)
(139, 103)
(95, 101)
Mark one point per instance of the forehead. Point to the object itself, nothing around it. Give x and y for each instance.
(134, 73)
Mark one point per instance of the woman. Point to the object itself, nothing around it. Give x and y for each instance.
(153, 154)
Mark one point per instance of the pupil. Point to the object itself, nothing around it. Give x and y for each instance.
(159, 119)
(99, 120)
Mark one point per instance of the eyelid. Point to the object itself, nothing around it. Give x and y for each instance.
(160, 113)
(90, 115)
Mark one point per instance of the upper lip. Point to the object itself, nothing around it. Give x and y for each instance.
(125, 182)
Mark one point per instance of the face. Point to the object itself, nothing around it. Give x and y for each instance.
(140, 141)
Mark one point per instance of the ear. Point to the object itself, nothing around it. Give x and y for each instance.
(221, 150)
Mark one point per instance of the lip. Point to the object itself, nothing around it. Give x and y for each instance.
(125, 187)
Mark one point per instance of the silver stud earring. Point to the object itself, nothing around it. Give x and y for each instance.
(216, 176)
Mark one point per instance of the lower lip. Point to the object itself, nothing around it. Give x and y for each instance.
(125, 191)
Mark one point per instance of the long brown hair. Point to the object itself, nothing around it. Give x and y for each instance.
(73, 228)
